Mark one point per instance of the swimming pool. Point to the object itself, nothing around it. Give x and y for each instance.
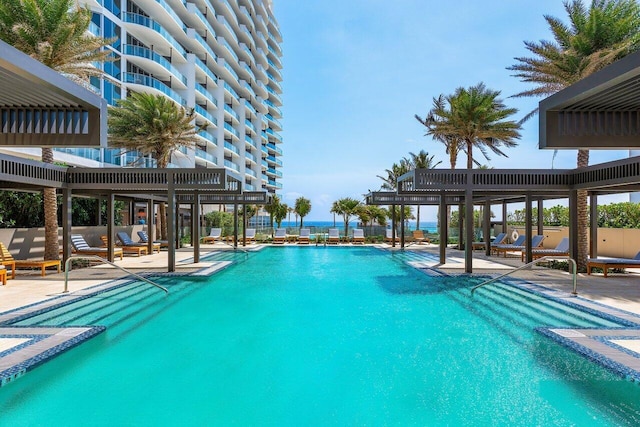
(320, 336)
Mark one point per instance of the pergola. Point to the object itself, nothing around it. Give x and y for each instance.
(600, 112)
(41, 108)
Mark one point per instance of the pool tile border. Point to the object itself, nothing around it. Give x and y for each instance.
(46, 343)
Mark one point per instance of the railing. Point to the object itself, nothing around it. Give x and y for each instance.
(544, 258)
(67, 264)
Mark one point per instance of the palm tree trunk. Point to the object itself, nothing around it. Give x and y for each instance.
(50, 204)
(583, 217)
(469, 155)
(162, 221)
(418, 218)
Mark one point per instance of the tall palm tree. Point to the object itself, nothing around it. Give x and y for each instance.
(477, 118)
(594, 38)
(453, 143)
(302, 208)
(151, 125)
(55, 33)
(422, 160)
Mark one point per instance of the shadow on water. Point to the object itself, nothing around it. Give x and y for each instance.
(421, 284)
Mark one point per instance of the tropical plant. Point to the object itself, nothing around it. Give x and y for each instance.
(594, 38)
(422, 160)
(390, 182)
(220, 219)
(152, 125)
(54, 32)
(280, 213)
(453, 143)
(348, 208)
(475, 117)
(302, 208)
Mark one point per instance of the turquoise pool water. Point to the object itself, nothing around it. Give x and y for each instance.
(320, 336)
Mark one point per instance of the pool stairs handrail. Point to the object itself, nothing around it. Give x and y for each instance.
(541, 259)
(67, 264)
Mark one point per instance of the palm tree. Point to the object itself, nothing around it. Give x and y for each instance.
(595, 37)
(476, 117)
(55, 33)
(390, 182)
(302, 208)
(151, 125)
(422, 160)
(347, 207)
(453, 143)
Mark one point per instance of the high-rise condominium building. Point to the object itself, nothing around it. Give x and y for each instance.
(220, 57)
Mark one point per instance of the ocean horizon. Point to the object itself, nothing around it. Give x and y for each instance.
(429, 226)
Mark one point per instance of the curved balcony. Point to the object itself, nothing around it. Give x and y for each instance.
(145, 21)
(207, 115)
(203, 19)
(275, 149)
(203, 43)
(250, 126)
(273, 183)
(150, 82)
(274, 172)
(143, 52)
(274, 160)
(207, 71)
(251, 172)
(208, 136)
(206, 94)
(206, 156)
(227, 46)
(229, 146)
(273, 134)
(231, 130)
(250, 157)
(273, 107)
(231, 165)
(250, 142)
(273, 122)
(232, 113)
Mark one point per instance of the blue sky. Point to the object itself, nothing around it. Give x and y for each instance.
(357, 71)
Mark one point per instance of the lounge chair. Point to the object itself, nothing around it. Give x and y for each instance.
(334, 236)
(607, 263)
(280, 237)
(3, 275)
(7, 260)
(144, 238)
(81, 247)
(388, 236)
(505, 247)
(496, 241)
(419, 237)
(125, 240)
(561, 249)
(303, 238)
(135, 250)
(250, 235)
(214, 235)
(358, 236)
(536, 241)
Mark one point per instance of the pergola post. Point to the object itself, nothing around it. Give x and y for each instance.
(393, 226)
(235, 224)
(244, 225)
(195, 227)
(66, 225)
(486, 227)
(461, 225)
(110, 228)
(504, 217)
(150, 225)
(528, 226)
(171, 221)
(402, 226)
(443, 228)
(540, 217)
(593, 226)
(573, 224)
(468, 240)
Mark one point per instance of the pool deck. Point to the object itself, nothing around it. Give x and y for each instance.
(618, 295)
